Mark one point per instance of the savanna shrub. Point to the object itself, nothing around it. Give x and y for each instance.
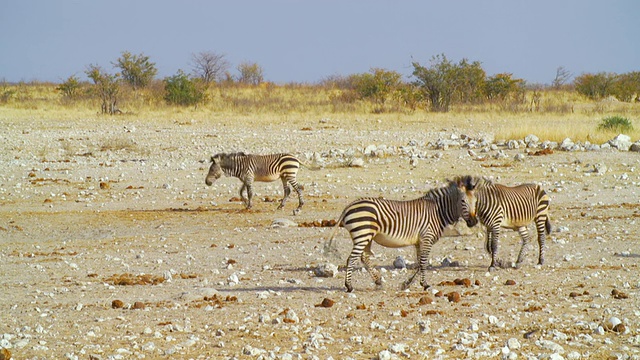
(615, 123)
(180, 90)
(70, 88)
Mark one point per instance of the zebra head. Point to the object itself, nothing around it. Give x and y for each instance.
(467, 186)
(215, 170)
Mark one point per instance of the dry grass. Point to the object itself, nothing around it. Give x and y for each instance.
(559, 115)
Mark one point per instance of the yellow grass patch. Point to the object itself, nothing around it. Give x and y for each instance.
(557, 116)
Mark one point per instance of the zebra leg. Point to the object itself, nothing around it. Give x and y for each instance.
(242, 190)
(541, 226)
(405, 285)
(524, 235)
(249, 195)
(359, 250)
(351, 262)
(287, 192)
(423, 249)
(423, 259)
(366, 260)
(492, 247)
(298, 190)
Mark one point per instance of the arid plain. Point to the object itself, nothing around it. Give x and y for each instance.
(112, 246)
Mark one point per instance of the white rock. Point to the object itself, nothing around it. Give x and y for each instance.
(264, 318)
(385, 355)
(400, 263)
(276, 223)
(21, 343)
(251, 351)
(566, 144)
(531, 139)
(513, 344)
(550, 345)
(326, 270)
(167, 275)
(356, 162)
(150, 346)
(291, 316)
(369, 150)
(425, 326)
(397, 348)
(574, 355)
(610, 323)
(233, 279)
(621, 142)
(599, 169)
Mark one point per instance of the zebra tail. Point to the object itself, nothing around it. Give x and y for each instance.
(329, 248)
(547, 225)
(487, 244)
(310, 167)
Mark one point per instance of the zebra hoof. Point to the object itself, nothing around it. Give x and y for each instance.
(405, 285)
(296, 212)
(349, 288)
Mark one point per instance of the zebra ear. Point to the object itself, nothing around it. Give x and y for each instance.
(471, 181)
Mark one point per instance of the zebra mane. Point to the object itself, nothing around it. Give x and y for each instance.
(468, 181)
(227, 155)
(471, 182)
(439, 192)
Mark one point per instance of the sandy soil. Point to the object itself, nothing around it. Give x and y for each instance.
(112, 247)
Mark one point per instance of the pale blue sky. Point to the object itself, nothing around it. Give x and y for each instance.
(306, 41)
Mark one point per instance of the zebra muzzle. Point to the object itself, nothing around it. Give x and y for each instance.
(471, 221)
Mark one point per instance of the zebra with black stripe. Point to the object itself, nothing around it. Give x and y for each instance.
(394, 223)
(265, 168)
(499, 206)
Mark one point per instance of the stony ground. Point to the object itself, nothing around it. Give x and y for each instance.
(112, 247)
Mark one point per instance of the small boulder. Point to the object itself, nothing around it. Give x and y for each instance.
(326, 270)
(621, 142)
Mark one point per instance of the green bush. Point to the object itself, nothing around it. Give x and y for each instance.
(181, 90)
(6, 93)
(70, 88)
(615, 123)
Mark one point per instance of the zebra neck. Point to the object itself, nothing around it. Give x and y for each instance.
(231, 171)
(448, 214)
(446, 206)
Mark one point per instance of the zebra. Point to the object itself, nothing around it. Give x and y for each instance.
(395, 223)
(249, 168)
(499, 206)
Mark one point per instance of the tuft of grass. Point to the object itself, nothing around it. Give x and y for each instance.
(615, 123)
(119, 143)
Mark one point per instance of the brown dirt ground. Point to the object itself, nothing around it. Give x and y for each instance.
(95, 211)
